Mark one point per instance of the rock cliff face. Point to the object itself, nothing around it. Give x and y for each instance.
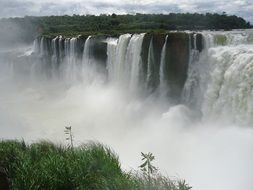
(176, 64)
(153, 48)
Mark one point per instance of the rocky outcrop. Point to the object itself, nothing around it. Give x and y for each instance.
(176, 65)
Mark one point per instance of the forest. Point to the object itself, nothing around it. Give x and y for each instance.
(113, 24)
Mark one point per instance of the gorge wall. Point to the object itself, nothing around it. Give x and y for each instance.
(144, 61)
(181, 67)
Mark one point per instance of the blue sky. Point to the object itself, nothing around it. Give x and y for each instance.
(12, 8)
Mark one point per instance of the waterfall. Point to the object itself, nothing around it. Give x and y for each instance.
(86, 52)
(36, 46)
(163, 88)
(88, 66)
(133, 60)
(120, 51)
(55, 52)
(72, 51)
(190, 94)
(212, 56)
(151, 62)
(219, 81)
(189, 91)
(43, 49)
(111, 62)
(194, 42)
(61, 49)
(70, 63)
(124, 59)
(120, 58)
(67, 48)
(229, 92)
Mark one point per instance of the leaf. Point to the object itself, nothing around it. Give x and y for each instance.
(143, 165)
(144, 155)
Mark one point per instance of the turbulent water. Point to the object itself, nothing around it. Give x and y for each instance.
(185, 97)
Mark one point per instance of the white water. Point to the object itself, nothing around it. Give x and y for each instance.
(124, 60)
(163, 88)
(198, 74)
(86, 52)
(212, 154)
(117, 51)
(54, 48)
(229, 93)
(151, 62)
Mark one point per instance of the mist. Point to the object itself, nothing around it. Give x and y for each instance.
(209, 154)
(16, 32)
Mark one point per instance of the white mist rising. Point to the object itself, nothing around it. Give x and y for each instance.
(211, 154)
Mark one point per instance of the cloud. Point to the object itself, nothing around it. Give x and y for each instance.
(11, 8)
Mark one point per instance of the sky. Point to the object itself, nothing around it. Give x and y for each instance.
(20, 8)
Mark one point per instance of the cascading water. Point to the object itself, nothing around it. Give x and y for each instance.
(197, 71)
(42, 46)
(199, 149)
(55, 53)
(151, 63)
(163, 88)
(72, 50)
(117, 50)
(124, 59)
(133, 60)
(61, 49)
(88, 64)
(112, 67)
(214, 84)
(69, 66)
(229, 92)
(87, 52)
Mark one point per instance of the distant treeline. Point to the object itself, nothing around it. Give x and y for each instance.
(117, 24)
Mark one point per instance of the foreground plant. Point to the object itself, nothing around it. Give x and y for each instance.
(46, 166)
(69, 138)
(152, 180)
(147, 168)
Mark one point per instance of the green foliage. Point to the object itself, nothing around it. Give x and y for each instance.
(46, 166)
(147, 166)
(159, 182)
(118, 24)
(69, 137)
(220, 39)
(152, 180)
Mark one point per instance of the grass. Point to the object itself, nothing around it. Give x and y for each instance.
(46, 166)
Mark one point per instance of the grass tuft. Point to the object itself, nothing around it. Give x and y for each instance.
(93, 166)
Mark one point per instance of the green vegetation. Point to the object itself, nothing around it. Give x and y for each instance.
(46, 166)
(117, 24)
(69, 137)
(220, 39)
(147, 166)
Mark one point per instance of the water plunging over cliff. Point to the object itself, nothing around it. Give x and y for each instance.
(188, 68)
(184, 96)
